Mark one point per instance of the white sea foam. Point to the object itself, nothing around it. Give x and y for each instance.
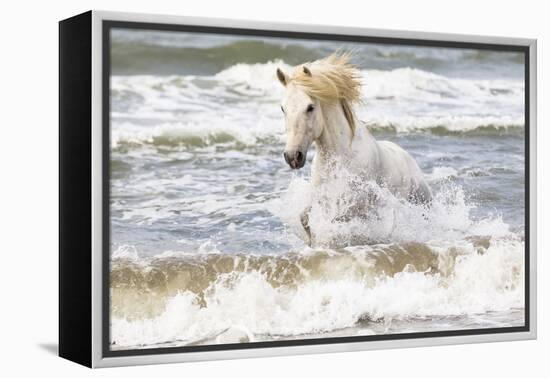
(392, 219)
(125, 252)
(492, 281)
(254, 79)
(441, 173)
(242, 102)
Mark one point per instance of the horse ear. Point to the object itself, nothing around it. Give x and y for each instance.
(307, 71)
(282, 77)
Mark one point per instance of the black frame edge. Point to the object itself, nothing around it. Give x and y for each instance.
(527, 194)
(75, 194)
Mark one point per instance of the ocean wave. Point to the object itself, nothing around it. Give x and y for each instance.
(241, 103)
(191, 134)
(137, 58)
(427, 262)
(193, 299)
(163, 52)
(466, 126)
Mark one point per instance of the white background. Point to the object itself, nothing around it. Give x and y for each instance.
(28, 186)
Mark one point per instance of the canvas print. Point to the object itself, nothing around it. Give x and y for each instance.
(266, 189)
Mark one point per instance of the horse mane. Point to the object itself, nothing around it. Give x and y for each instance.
(332, 79)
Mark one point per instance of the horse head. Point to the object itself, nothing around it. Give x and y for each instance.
(303, 120)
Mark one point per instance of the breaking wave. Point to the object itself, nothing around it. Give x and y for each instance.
(220, 298)
(205, 110)
(166, 53)
(416, 262)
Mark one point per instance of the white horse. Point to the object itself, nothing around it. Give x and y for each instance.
(318, 108)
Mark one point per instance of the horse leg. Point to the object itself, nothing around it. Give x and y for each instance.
(422, 195)
(304, 219)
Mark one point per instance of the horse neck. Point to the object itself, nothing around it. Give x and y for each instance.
(337, 137)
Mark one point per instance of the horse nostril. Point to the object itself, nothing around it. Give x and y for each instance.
(286, 157)
(298, 155)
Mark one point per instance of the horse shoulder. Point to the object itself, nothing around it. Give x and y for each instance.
(366, 151)
(395, 158)
(401, 169)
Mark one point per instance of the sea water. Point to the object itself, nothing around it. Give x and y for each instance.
(206, 241)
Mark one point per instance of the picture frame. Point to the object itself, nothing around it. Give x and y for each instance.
(85, 206)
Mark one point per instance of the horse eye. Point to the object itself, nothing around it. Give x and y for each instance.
(310, 108)
(283, 109)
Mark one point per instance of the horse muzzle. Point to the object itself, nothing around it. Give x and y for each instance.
(295, 159)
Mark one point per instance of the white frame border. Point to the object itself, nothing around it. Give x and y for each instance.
(97, 357)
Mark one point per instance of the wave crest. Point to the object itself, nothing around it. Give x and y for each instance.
(241, 103)
(257, 297)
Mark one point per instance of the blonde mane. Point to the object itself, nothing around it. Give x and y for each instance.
(332, 79)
